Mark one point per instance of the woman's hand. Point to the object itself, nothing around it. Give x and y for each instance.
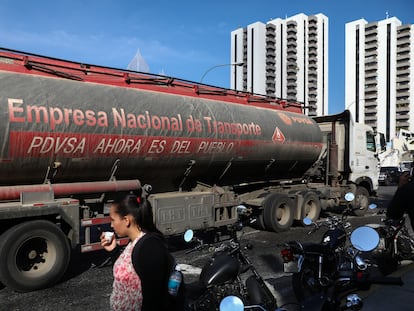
(108, 244)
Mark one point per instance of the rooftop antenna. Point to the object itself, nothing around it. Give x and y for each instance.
(386, 15)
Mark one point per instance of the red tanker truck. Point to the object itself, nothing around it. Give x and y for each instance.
(74, 135)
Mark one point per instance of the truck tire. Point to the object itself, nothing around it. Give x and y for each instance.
(311, 207)
(33, 255)
(278, 212)
(259, 222)
(361, 202)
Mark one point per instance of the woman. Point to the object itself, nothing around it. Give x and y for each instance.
(142, 270)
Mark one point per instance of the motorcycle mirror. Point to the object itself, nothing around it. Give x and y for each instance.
(231, 303)
(349, 196)
(372, 206)
(188, 235)
(364, 238)
(241, 210)
(307, 221)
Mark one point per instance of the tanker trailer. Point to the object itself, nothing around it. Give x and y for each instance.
(75, 134)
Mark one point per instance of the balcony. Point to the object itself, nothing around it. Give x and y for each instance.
(402, 108)
(371, 29)
(403, 33)
(270, 40)
(371, 66)
(291, 84)
(291, 43)
(270, 74)
(403, 48)
(371, 53)
(371, 110)
(370, 74)
(313, 66)
(373, 45)
(403, 57)
(402, 117)
(371, 103)
(403, 72)
(313, 44)
(402, 87)
(369, 118)
(370, 96)
(403, 102)
(292, 70)
(291, 58)
(402, 124)
(292, 50)
(403, 78)
(403, 63)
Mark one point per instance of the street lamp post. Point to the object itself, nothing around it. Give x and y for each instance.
(216, 66)
(355, 111)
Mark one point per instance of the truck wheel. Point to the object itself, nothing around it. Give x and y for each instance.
(361, 202)
(311, 207)
(278, 212)
(33, 255)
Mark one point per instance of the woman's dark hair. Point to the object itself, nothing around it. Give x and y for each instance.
(140, 208)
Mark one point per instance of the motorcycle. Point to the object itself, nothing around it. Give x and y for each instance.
(315, 266)
(363, 239)
(395, 245)
(324, 273)
(224, 273)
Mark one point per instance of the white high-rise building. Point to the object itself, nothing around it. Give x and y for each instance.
(284, 58)
(379, 81)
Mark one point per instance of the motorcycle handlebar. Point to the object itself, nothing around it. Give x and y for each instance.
(196, 248)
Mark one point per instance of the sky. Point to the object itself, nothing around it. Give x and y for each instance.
(178, 38)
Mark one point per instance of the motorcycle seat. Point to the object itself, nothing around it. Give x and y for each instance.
(317, 248)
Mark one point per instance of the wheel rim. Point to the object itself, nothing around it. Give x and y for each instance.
(34, 256)
(362, 202)
(311, 209)
(282, 214)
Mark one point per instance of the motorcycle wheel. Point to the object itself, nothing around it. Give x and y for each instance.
(305, 283)
(387, 264)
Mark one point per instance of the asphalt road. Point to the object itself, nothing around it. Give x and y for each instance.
(87, 286)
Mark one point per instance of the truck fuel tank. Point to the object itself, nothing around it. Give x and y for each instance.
(159, 136)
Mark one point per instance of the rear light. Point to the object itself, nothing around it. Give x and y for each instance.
(287, 254)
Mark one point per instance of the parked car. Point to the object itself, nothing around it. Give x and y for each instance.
(388, 175)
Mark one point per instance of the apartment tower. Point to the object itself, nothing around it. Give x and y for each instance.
(284, 58)
(379, 81)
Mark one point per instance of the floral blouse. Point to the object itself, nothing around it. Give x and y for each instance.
(126, 290)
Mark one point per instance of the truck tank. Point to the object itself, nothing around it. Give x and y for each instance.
(166, 132)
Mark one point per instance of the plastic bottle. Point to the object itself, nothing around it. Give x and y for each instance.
(174, 281)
